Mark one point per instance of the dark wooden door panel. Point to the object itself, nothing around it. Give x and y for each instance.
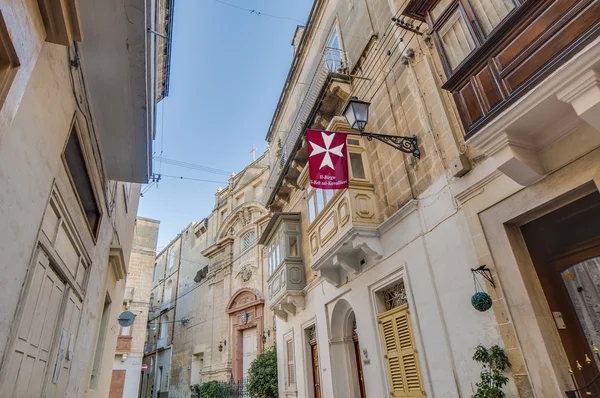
(471, 108)
(489, 89)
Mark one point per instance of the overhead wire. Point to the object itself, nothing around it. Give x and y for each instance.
(192, 179)
(194, 166)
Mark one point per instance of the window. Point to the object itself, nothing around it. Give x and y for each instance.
(274, 253)
(317, 199)
(401, 359)
(171, 257)
(79, 174)
(8, 60)
(223, 215)
(290, 366)
(248, 240)
(154, 274)
(456, 39)
(126, 190)
(100, 344)
(333, 52)
(457, 34)
(164, 328)
(168, 292)
(356, 154)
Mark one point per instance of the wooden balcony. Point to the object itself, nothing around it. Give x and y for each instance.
(528, 83)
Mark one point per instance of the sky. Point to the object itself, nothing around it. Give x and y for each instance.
(228, 67)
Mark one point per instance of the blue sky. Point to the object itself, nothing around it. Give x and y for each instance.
(228, 67)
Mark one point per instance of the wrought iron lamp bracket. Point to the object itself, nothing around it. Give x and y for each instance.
(484, 271)
(404, 144)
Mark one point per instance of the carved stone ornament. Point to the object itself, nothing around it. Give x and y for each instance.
(245, 273)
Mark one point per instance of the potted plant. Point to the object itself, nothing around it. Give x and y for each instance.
(494, 362)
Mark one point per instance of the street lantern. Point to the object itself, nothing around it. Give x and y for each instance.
(357, 114)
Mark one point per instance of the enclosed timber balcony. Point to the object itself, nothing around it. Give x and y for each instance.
(282, 241)
(527, 83)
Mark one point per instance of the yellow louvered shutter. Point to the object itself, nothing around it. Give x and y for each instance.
(400, 353)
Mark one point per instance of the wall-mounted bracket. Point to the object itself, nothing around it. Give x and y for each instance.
(484, 271)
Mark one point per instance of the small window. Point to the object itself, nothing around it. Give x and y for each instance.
(248, 240)
(290, 365)
(171, 257)
(80, 177)
(317, 199)
(293, 246)
(8, 61)
(333, 52)
(490, 13)
(356, 165)
(154, 274)
(439, 8)
(459, 35)
(456, 39)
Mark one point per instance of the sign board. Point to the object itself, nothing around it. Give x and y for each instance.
(144, 367)
(126, 318)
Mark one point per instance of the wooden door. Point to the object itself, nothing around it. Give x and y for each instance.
(564, 246)
(249, 343)
(315, 369)
(67, 336)
(117, 384)
(361, 380)
(29, 362)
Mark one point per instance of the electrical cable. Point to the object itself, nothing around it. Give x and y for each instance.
(194, 166)
(192, 179)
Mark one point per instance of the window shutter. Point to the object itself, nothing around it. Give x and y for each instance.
(400, 353)
(456, 39)
(291, 368)
(490, 13)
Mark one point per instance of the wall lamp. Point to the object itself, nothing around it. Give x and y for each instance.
(357, 116)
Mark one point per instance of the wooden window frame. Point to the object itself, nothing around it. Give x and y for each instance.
(473, 26)
(75, 129)
(361, 150)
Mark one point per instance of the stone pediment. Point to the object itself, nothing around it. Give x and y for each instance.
(243, 215)
(243, 299)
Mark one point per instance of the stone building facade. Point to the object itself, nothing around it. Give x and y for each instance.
(372, 285)
(216, 322)
(75, 145)
(127, 365)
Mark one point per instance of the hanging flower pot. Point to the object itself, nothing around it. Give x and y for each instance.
(481, 301)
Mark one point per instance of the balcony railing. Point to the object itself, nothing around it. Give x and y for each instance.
(332, 62)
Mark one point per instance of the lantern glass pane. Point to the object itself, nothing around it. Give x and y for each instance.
(361, 112)
(349, 114)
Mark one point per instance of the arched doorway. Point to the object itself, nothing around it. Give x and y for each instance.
(245, 309)
(345, 353)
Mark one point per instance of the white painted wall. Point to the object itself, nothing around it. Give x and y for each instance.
(133, 374)
(431, 248)
(30, 162)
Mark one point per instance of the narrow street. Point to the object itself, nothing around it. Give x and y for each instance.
(300, 199)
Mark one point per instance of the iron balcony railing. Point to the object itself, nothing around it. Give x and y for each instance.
(332, 61)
